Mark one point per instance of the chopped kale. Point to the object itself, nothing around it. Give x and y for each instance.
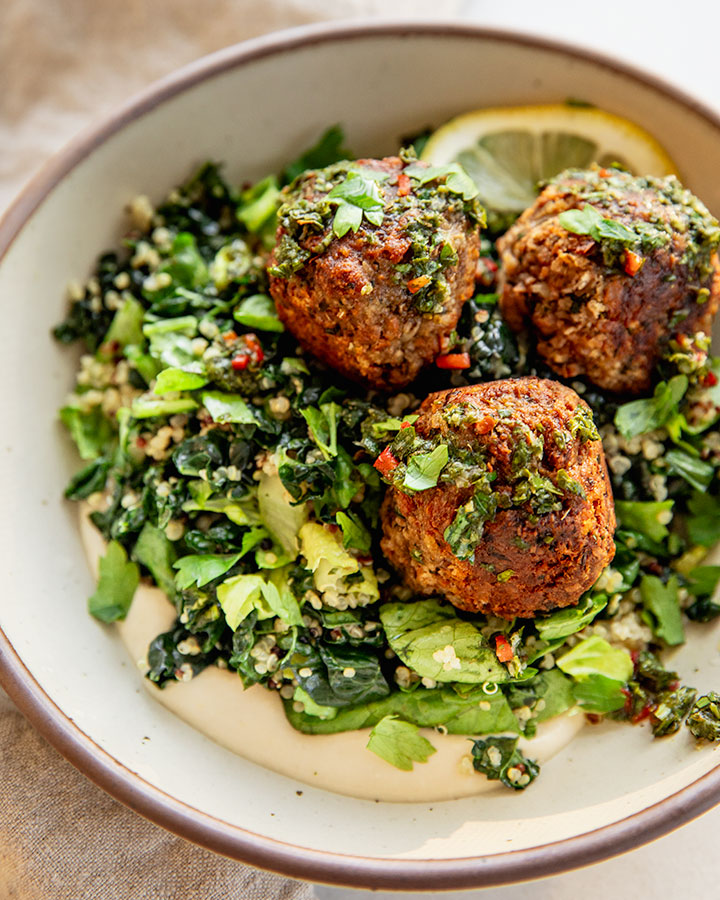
(499, 759)
(671, 709)
(704, 718)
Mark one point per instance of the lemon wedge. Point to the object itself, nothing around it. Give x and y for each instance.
(508, 150)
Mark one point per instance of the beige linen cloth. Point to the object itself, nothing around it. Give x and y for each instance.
(63, 64)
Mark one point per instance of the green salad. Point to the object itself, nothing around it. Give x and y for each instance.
(237, 473)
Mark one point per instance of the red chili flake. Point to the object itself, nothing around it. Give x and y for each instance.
(603, 173)
(229, 336)
(405, 425)
(240, 361)
(386, 462)
(417, 284)
(633, 262)
(503, 650)
(453, 361)
(710, 380)
(488, 264)
(403, 183)
(593, 718)
(644, 713)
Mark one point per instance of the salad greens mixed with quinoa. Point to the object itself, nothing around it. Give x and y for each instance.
(244, 477)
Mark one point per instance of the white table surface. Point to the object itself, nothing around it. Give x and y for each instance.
(677, 42)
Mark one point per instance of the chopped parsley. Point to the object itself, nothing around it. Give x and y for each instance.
(399, 743)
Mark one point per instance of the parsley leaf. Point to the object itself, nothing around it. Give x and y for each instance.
(357, 196)
(592, 223)
(199, 569)
(258, 311)
(641, 416)
(703, 523)
(697, 473)
(228, 408)
(600, 694)
(646, 517)
(322, 425)
(662, 603)
(355, 534)
(155, 551)
(186, 378)
(116, 585)
(399, 743)
(423, 469)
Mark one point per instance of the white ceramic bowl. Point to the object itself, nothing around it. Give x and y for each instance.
(256, 106)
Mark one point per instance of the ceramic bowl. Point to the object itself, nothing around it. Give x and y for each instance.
(256, 106)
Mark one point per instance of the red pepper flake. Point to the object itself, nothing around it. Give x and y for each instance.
(710, 380)
(503, 650)
(453, 361)
(403, 183)
(250, 351)
(488, 264)
(229, 336)
(603, 173)
(644, 713)
(633, 262)
(405, 425)
(386, 462)
(417, 284)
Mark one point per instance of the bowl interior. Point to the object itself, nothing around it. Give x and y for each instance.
(256, 109)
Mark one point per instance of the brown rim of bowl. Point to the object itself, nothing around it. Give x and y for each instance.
(192, 824)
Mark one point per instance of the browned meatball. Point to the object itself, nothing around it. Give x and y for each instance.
(379, 302)
(522, 518)
(604, 291)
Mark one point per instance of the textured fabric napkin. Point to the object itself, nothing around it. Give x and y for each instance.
(63, 65)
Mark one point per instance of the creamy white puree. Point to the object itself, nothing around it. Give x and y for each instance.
(252, 722)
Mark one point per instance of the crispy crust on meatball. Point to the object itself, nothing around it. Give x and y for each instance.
(352, 307)
(524, 562)
(589, 315)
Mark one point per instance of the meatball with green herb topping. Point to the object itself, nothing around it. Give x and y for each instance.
(373, 262)
(606, 268)
(499, 498)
